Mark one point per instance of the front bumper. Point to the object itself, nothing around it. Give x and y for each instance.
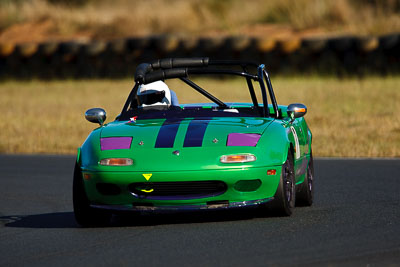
(230, 198)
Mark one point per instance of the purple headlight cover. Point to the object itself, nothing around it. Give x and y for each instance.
(109, 143)
(243, 139)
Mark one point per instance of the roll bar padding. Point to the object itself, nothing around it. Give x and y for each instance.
(167, 68)
(170, 63)
(164, 74)
(141, 72)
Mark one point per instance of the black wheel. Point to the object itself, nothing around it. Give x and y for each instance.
(305, 191)
(85, 215)
(284, 199)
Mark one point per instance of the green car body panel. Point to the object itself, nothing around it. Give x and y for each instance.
(194, 163)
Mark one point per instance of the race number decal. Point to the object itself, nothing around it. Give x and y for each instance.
(296, 140)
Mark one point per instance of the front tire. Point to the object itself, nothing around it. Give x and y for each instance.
(85, 215)
(285, 196)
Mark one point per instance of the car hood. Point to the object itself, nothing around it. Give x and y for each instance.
(176, 144)
(188, 132)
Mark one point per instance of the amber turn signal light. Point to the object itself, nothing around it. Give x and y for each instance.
(241, 158)
(116, 162)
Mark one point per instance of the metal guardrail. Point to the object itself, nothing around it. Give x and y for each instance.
(118, 58)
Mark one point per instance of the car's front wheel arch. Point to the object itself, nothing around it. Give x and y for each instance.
(85, 215)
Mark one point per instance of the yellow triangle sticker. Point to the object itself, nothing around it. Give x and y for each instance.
(147, 176)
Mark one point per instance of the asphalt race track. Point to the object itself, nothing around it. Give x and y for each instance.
(355, 222)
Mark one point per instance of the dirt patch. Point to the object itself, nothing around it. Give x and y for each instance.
(37, 32)
(43, 31)
(281, 31)
(42, 20)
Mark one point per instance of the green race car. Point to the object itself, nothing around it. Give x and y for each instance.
(159, 155)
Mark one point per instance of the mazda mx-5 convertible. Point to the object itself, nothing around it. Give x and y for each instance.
(163, 155)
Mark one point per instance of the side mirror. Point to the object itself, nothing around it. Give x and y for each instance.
(96, 115)
(296, 110)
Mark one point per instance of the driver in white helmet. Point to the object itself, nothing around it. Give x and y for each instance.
(156, 94)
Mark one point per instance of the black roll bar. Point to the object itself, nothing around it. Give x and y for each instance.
(271, 93)
(181, 67)
(205, 93)
(263, 90)
(162, 68)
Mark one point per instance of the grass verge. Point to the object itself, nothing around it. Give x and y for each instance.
(348, 118)
(43, 20)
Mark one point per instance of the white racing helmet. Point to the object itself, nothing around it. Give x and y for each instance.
(154, 94)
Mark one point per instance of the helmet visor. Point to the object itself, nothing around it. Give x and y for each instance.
(151, 98)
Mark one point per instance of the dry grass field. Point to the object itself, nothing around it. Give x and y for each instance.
(47, 20)
(348, 118)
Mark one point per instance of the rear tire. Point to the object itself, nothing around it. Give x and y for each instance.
(85, 215)
(305, 191)
(284, 199)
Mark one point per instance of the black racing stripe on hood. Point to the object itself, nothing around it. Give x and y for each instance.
(167, 133)
(195, 132)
